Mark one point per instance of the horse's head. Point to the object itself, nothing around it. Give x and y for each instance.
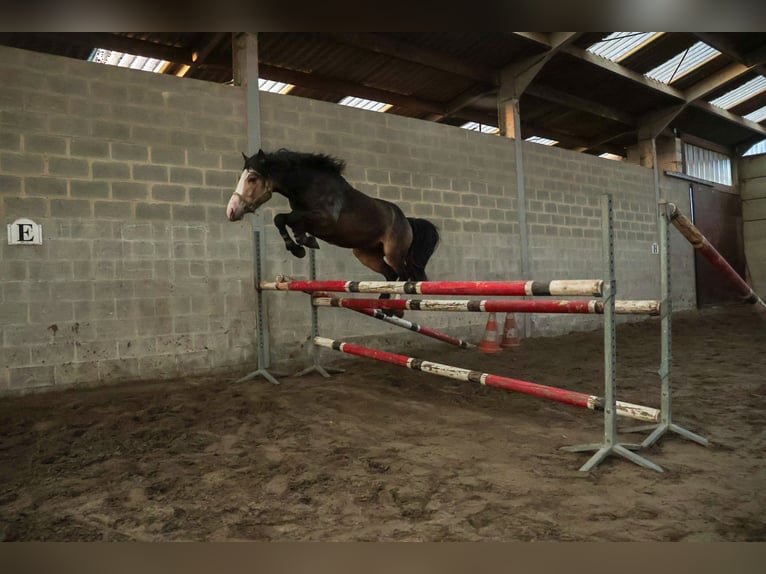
(253, 188)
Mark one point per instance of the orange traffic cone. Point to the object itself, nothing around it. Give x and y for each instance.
(510, 334)
(489, 342)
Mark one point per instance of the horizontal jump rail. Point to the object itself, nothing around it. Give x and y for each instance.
(694, 236)
(564, 288)
(574, 398)
(409, 325)
(490, 305)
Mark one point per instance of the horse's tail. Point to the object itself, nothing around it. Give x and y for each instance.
(425, 238)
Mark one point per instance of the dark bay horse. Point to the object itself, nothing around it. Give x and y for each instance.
(325, 206)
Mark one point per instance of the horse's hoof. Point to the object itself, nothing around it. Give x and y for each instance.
(311, 243)
(399, 313)
(298, 251)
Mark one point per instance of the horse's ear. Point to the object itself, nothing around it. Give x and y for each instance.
(261, 155)
(244, 156)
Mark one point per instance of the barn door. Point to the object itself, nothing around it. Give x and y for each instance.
(718, 215)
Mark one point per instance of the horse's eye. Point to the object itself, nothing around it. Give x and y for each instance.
(252, 179)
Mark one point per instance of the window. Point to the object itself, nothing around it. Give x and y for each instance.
(706, 164)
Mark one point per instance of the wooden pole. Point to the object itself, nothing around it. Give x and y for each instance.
(574, 398)
(566, 288)
(701, 244)
(590, 306)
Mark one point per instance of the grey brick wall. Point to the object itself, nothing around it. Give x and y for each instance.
(465, 182)
(141, 277)
(752, 173)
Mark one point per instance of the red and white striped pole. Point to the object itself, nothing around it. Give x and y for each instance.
(701, 244)
(489, 305)
(564, 288)
(574, 398)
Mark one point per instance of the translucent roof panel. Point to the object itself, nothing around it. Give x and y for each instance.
(619, 45)
(611, 156)
(757, 116)
(274, 87)
(742, 93)
(477, 127)
(683, 63)
(123, 60)
(543, 141)
(363, 104)
(757, 149)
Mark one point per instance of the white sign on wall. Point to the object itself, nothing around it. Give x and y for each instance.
(25, 232)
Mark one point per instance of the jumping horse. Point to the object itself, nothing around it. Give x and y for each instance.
(325, 206)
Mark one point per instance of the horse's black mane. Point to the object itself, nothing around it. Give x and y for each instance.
(284, 159)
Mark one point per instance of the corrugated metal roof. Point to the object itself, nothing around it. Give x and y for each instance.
(740, 94)
(757, 116)
(619, 45)
(683, 63)
(363, 104)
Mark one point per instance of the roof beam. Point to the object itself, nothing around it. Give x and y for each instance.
(753, 59)
(345, 88)
(623, 72)
(715, 81)
(408, 52)
(577, 103)
(516, 77)
(733, 118)
(725, 46)
(539, 38)
(462, 101)
(119, 43)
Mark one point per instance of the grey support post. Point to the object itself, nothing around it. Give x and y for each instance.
(315, 366)
(610, 444)
(666, 310)
(245, 48)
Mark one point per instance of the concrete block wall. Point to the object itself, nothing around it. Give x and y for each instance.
(465, 182)
(139, 275)
(752, 173)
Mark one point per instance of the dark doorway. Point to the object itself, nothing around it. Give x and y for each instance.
(718, 215)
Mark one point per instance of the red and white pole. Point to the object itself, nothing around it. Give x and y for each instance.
(701, 244)
(574, 398)
(489, 305)
(564, 288)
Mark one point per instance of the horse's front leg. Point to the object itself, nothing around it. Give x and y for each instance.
(281, 221)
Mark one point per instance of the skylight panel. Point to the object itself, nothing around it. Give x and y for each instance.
(683, 63)
(619, 45)
(757, 149)
(744, 92)
(363, 104)
(123, 60)
(274, 87)
(757, 116)
(477, 127)
(611, 156)
(543, 141)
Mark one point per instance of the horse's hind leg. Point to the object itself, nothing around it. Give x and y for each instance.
(375, 261)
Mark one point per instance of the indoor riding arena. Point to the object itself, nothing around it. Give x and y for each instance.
(584, 360)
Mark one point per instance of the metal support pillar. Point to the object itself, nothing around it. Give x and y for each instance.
(526, 321)
(610, 444)
(666, 353)
(315, 366)
(245, 48)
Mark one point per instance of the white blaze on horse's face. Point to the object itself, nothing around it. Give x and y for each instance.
(252, 190)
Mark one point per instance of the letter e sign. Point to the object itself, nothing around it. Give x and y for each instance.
(25, 232)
